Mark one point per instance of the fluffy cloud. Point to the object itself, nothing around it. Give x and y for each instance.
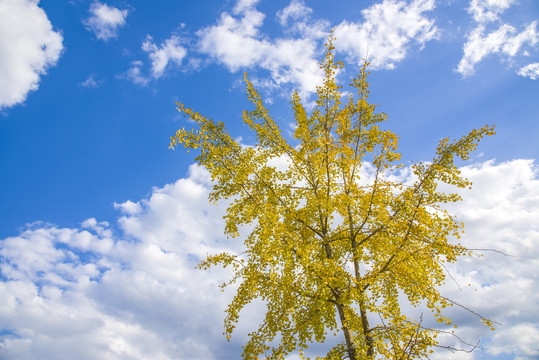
(530, 70)
(105, 21)
(386, 33)
(483, 41)
(500, 213)
(84, 293)
(92, 292)
(167, 52)
(235, 41)
(135, 74)
(28, 47)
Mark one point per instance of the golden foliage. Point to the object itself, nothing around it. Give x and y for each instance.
(327, 253)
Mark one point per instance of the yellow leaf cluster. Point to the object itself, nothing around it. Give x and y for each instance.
(328, 254)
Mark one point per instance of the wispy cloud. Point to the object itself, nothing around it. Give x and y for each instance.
(504, 41)
(28, 48)
(484, 11)
(295, 11)
(91, 82)
(488, 38)
(105, 20)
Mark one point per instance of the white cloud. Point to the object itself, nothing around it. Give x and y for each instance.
(489, 38)
(530, 70)
(484, 11)
(237, 43)
(388, 29)
(87, 293)
(504, 41)
(296, 10)
(500, 212)
(244, 5)
(129, 207)
(105, 21)
(168, 52)
(387, 32)
(526, 348)
(91, 82)
(233, 42)
(84, 293)
(28, 47)
(296, 19)
(134, 74)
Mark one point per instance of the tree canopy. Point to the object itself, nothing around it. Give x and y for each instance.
(338, 240)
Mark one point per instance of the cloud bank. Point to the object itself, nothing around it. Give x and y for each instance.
(28, 47)
(94, 292)
(85, 293)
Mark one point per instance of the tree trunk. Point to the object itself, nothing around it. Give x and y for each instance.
(350, 346)
(366, 329)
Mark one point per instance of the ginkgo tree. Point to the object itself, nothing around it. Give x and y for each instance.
(337, 242)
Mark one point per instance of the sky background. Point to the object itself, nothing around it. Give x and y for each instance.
(102, 224)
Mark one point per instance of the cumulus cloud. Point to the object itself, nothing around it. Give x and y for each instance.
(90, 292)
(485, 39)
(105, 20)
(28, 47)
(385, 36)
(161, 56)
(530, 70)
(87, 294)
(500, 212)
(233, 41)
(236, 42)
(387, 31)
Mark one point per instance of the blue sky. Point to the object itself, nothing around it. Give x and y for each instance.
(96, 210)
